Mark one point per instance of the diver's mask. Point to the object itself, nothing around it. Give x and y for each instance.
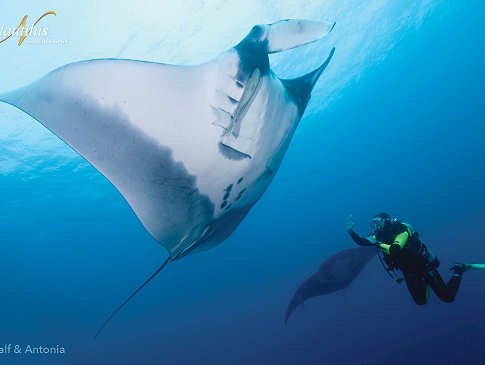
(377, 224)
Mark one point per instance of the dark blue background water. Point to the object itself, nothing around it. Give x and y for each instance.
(407, 139)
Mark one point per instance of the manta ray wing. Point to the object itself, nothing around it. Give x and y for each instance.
(127, 119)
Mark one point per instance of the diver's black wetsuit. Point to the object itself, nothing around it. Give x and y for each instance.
(417, 263)
(418, 284)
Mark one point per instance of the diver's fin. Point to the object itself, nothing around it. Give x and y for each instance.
(301, 87)
(131, 296)
(460, 268)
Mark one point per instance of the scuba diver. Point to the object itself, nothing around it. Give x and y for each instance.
(402, 249)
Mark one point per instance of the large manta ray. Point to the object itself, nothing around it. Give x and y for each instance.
(334, 274)
(190, 148)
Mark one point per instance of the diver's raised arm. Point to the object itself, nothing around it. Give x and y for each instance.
(361, 241)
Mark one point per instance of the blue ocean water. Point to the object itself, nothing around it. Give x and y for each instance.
(406, 137)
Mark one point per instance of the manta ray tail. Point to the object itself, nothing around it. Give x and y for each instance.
(131, 296)
(301, 87)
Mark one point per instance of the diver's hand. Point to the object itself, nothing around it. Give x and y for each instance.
(372, 240)
(349, 225)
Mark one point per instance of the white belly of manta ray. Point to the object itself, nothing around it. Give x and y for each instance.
(234, 180)
(191, 148)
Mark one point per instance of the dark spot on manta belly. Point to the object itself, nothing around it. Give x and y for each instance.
(241, 194)
(224, 203)
(228, 192)
(240, 180)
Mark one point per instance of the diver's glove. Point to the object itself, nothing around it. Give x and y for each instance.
(373, 241)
